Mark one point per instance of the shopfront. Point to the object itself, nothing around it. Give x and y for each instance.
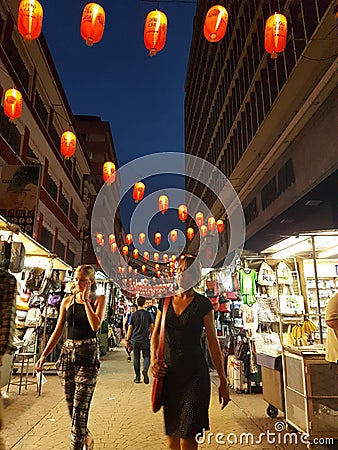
(41, 277)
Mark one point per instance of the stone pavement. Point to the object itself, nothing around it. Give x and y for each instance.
(121, 416)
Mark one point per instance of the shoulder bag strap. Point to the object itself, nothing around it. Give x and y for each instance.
(161, 343)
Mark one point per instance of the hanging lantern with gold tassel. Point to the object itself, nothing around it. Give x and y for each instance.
(68, 144)
(129, 238)
(163, 204)
(182, 213)
(30, 19)
(109, 170)
(190, 233)
(138, 191)
(92, 23)
(155, 31)
(276, 28)
(215, 24)
(13, 104)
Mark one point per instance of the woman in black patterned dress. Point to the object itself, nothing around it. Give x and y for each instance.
(186, 391)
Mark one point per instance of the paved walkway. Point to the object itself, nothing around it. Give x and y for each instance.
(121, 416)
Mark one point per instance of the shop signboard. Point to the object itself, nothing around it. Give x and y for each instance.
(19, 193)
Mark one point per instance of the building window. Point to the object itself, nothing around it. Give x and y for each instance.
(251, 211)
(77, 179)
(60, 249)
(64, 204)
(69, 165)
(10, 132)
(71, 258)
(46, 238)
(269, 193)
(41, 109)
(51, 188)
(32, 159)
(17, 63)
(74, 218)
(54, 136)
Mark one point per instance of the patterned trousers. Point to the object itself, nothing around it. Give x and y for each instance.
(79, 383)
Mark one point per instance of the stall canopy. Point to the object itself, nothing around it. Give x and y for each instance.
(33, 248)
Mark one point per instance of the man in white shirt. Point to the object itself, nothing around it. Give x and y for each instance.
(331, 319)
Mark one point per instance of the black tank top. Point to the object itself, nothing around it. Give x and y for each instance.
(78, 326)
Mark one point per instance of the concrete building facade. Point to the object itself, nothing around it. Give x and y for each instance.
(268, 124)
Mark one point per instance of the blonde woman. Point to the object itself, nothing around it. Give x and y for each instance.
(78, 365)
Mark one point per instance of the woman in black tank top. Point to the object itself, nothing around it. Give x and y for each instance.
(78, 365)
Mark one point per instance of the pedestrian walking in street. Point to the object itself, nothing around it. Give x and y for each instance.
(186, 388)
(8, 291)
(138, 338)
(78, 364)
(152, 309)
(126, 324)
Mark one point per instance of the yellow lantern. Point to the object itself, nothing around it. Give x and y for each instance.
(163, 204)
(109, 174)
(129, 239)
(211, 223)
(158, 238)
(173, 235)
(199, 219)
(142, 238)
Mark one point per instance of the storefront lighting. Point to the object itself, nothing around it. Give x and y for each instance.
(329, 252)
(302, 246)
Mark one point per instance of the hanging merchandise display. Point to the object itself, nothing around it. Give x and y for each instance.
(266, 275)
(247, 283)
(284, 274)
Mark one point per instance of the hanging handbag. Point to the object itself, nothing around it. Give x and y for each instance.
(156, 394)
(17, 258)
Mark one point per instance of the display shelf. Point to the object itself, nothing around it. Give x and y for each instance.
(327, 287)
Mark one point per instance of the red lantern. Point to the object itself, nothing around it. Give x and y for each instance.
(190, 233)
(165, 258)
(157, 267)
(100, 239)
(135, 253)
(156, 256)
(215, 24)
(182, 213)
(158, 273)
(163, 203)
(30, 19)
(276, 28)
(92, 23)
(146, 256)
(155, 31)
(199, 219)
(144, 269)
(135, 271)
(138, 191)
(119, 269)
(13, 104)
(129, 239)
(125, 250)
(173, 235)
(220, 226)
(158, 238)
(211, 223)
(203, 231)
(68, 144)
(113, 247)
(130, 269)
(111, 239)
(109, 170)
(141, 238)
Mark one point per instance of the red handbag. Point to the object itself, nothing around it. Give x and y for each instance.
(157, 389)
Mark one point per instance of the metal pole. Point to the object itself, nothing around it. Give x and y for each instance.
(317, 289)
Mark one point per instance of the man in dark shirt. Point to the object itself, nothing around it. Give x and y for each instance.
(138, 336)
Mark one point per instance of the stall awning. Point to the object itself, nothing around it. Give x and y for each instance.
(32, 247)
